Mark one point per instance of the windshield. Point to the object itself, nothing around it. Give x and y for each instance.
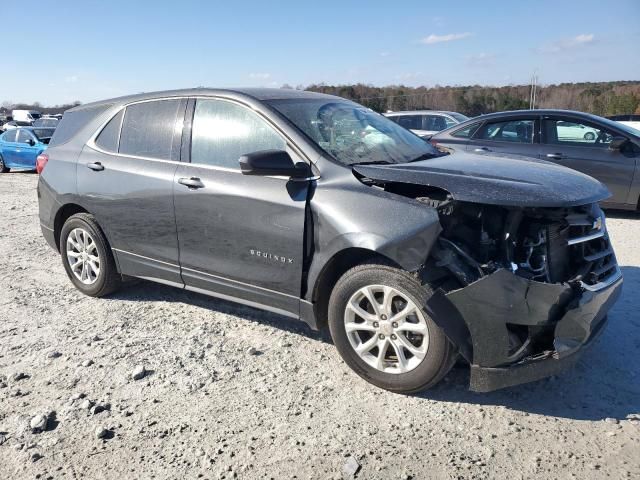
(43, 133)
(460, 117)
(35, 115)
(353, 134)
(45, 122)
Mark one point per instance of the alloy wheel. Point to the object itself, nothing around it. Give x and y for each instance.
(83, 256)
(386, 329)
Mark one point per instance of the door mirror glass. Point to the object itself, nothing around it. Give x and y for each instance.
(617, 143)
(272, 162)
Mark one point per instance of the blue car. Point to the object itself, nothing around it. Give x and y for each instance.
(19, 147)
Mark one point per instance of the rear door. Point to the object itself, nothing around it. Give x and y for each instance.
(125, 175)
(584, 146)
(240, 236)
(514, 135)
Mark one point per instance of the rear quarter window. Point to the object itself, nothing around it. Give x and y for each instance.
(108, 138)
(73, 121)
(466, 132)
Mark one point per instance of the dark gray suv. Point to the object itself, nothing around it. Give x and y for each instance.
(317, 208)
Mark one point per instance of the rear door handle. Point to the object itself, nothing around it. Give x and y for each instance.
(556, 156)
(482, 150)
(95, 166)
(193, 182)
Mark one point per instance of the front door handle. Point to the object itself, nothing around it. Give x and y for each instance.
(95, 166)
(193, 182)
(482, 150)
(555, 156)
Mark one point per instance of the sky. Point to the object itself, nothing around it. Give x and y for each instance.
(89, 50)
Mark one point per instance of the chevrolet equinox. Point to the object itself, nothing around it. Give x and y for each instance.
(314, 207)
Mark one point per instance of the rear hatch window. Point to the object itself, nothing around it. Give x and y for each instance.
(73, 121)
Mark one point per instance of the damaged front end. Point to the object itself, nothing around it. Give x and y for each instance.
(533, 287)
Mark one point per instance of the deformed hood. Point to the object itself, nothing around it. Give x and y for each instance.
(496, 180)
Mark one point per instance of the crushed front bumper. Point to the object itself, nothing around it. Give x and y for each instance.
(477, 318)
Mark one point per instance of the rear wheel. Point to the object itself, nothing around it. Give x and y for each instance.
(3, 167)
(87, 258)
(381, 330)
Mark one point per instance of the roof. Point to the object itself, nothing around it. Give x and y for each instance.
(419, 112)
(260, 94)
(547, 111)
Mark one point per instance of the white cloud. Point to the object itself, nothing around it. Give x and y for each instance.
(260, 76)
(568, 43)
(71, 79)
(385, 54)
(433, 38)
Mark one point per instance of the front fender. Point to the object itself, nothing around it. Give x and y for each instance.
(396, 227)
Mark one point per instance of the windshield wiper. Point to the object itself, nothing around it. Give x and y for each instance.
(373, 162)
(425, 156)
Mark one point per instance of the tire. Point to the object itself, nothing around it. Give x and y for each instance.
(3, 167)
(590, 136)
(95, 284)
(428, 367)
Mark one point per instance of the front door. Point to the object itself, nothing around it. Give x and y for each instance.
(512, 136)
(125, 177)
(240, 237)
(25, 152)
(584, 146)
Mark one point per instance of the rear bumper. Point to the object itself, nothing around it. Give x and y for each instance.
(49, 236)
(561, 322)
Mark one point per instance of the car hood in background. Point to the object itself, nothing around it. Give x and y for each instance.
(496, 180)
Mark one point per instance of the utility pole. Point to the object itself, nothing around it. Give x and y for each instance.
(534, 90)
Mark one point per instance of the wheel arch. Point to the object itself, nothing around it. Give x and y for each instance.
(61, 217)
(333, 269)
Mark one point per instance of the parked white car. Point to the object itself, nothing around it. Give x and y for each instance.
(569, 131)
(632, 121)
(426, 123)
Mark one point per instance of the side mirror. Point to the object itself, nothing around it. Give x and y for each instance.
(31, 142)
(272, 162)
(617, 143)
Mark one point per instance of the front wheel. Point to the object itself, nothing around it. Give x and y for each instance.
(87, 258)
(380, 328)
(590, 136)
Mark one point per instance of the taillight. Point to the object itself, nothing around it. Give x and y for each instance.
(41, 162)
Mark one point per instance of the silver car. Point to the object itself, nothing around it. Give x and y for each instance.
(426, 123)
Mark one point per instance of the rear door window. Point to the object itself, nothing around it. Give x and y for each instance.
(515, 131)
(410, 122)
(435, 123)
(152, 130)
(10, 136)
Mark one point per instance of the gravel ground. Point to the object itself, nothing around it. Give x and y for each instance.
(228, 391)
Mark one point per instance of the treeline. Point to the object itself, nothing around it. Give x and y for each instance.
(8, 106)
(604, 98)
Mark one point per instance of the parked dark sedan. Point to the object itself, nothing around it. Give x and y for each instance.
(606, 150)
